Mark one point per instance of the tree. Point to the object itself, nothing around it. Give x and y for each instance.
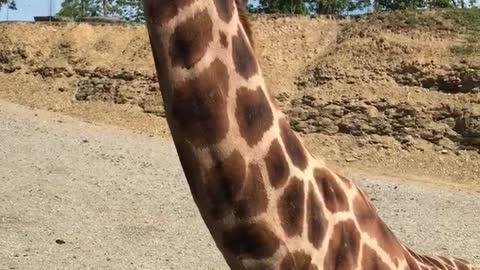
(390, 5)
(329, 6)
(414, 4)
(10, 4)
(439, 4)
(282, 6)
(130, 10)
(80, 8)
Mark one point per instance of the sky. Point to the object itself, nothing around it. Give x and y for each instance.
(29, 8)
(26, 9)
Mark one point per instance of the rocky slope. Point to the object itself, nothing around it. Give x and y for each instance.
(402, 82)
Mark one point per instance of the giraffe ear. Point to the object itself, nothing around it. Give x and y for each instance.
(243, 16)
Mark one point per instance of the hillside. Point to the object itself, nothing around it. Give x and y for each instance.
(397, 92)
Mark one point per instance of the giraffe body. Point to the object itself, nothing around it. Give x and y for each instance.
(268, 203)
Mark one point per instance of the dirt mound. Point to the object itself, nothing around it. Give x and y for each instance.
(113, 63)
(444, 125)
(397, 83)
(395, 75)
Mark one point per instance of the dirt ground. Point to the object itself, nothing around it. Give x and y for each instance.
(394, 95)
(76, 195)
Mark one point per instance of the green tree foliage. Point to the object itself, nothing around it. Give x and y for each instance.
(339, 6)
(10, 4)
(400, 4)
(391, 5)
(439, 4)
(80, 8)
(133, 10)
(330, 6)
(130, 10)
(282, 6)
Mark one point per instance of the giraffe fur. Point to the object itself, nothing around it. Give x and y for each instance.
(267, 202)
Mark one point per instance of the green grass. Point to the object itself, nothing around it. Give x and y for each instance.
(466, 50)
(469, 20)
(465, 22)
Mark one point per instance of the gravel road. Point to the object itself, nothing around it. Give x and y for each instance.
(78, 196)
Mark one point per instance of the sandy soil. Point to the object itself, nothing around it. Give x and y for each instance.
(82, 196)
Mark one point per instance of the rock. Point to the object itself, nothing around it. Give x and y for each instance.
(350, 159)
(334, 110)
(60, 241)
(299, 126)
(468, 126)
(447, 78)
(11, 68)
(125, 75)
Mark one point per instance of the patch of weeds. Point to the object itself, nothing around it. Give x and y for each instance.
(411, 19)
(469, 20)
(466, 50)
(472, 39)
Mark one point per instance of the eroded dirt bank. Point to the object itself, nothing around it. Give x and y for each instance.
(397, 93)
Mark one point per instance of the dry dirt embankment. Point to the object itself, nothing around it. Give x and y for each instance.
(397, 93)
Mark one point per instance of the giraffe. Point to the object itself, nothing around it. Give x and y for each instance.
(266, 200)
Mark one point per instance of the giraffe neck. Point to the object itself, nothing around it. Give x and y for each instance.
(266, 201)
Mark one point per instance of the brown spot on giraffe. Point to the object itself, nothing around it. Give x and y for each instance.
(333, 195)
(461, 264)
(411, 252)
(347, 182)
(462, 260)
(448, 263)
(371, 260)
(162, 11)
(251, 240)
(450, 267)
(224, 182)
(243, 58)
(277, 166)
(225, 12)
(199, 106)
(242, 15)
(253, 113)
(370, 222)
(316, 221)
(224, 9)
(295, 150)
(411, 262)
(190, 40)
(343, 248)
(189, 162)
(435, 263)
(291, 207)
(223, 39)
(253, 198)
(297, 260)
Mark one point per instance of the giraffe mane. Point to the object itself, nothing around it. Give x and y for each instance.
(243, 16)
